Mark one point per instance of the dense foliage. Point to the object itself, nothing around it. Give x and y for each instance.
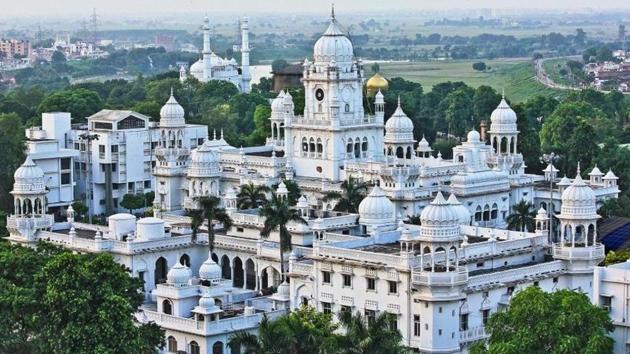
(56, 301)
(563, 321)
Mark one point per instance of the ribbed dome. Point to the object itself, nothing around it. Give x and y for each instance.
(29, 178)
(277, 105)
(333, 45)
(172, 114)
(578, 199)
(423, 145)
(283, 290)
(179, 275)
(207, 302)
(204, 161)
(376, 208)
(210, 270)
(473, 137)
(439, 212)
(399, 128)
(462, 212)
(503, 119)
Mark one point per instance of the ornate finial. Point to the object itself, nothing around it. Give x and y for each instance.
(503, 93)
(221, 133)
(332, 12)
(171, 91)
(398, 100)
(214, 134)
(578, 173)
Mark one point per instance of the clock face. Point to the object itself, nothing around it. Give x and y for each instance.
(346, 94)
(319, 94)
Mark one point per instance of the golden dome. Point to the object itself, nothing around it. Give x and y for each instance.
(375, 83)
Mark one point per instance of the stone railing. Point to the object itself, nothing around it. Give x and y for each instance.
(235, 243)
(302, 268)
(578, 253)
(360, 121)
(457, 277)
(519, 273)
(362, 256)
(23, 222)
(472, 334)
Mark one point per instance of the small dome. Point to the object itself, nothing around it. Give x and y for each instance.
(375, 84)
(423, 145)
(302, 202)
(283, 290)
(172, 114)
(462, 212)
(277, 104)
(376, 208)
(333, 46)
(399, 128)
(541, 214)
(210, 270)
(503, 119)
(610, 175)
(207, 302)
(439, 211)
(564, 182)
(596, 172)
(282, 189)
(29, 178)
(204, 161)
(473, 137)
(196, 69)
(179, 275)
(578, 199)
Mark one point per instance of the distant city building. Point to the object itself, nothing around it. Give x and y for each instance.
(164, 41)
(12, 47)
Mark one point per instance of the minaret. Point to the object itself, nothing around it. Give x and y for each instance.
(246, 75)
(207, 52)
(504, 140)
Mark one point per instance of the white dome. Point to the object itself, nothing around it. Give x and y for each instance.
(172, 114)
(578, 199)
(503, 119)
(29, 178)
(333, 45)
(423, 145)
(302, 202)
(439, 211)
(207, 302)
(204, 161)
(210, 270)
(283, 290)
(596, 172)
(473, 137)
(196, 69)
(179, 275)
(277, 105)
(610, 175)
(564, 181)
(462, 212)
(399, 128)
(282, 189)
(376, 208)
(541, 214)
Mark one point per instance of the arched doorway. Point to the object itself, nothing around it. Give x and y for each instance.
(238, 280)
(226, 269)
(167, 307)
(270, 277)
(250, 275)
(217, 348)
(161, 268)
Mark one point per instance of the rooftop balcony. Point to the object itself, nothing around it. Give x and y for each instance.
(472, 334)
(458, 276)
(566, 252)
(15, 222)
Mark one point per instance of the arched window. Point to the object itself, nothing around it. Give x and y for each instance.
(320, 148)
(311, 147)
(194, 348)
(349, 148)
(167, 307)
(304, 147)
(347, 108)
(185, 260)
(172, 344)
(161, 268)
(400, 152)
(478, 213)
(494, 211)
(364, 146)
(486, 213)
(408, 156)
(357, 148)
(217, 348)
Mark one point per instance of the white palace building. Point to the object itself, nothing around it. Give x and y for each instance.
(442, 279)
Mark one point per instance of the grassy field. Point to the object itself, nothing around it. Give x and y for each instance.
(514, 75)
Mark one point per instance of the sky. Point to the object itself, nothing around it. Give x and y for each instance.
(66, 8)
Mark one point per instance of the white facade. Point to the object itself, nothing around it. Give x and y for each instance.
(46, 146)
(611, 286)
(213, 67)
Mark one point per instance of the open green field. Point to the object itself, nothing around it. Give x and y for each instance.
(515, 76)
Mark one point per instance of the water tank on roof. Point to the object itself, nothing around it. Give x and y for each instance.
(150, 229)
(121, 224)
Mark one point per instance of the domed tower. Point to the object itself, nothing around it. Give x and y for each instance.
(504, 138)
(334, 128)
(578, 232)
(376, 212)
(399, 140)
(439, 280)
(172, 156)
(203, 175)
(424, 149)
(29, 201)
(277, 120)
(375, 84)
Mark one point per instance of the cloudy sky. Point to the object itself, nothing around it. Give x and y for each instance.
(54, 8)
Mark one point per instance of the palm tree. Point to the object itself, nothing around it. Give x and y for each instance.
(414, 219)
(252, 196)
(348, 200)
(273, 337)
(278, 213)
(196, 220)
(293, 188)
(363, 336)
(522, 217)
(211, 211)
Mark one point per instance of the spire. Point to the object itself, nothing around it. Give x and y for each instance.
(221, 133)
(171, 91)
(214, 134)
(503, 93)
(398, 101)
(332, 12)
(578, 172)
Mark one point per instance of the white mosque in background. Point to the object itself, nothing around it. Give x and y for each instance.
(442, 280)
(213, 67)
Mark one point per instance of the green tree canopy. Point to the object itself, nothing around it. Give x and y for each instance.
(133, 201)
(81, 103)
(12, 147)
(55, 301)
(536, 321)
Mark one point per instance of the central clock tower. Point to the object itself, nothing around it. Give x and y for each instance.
(334, 127)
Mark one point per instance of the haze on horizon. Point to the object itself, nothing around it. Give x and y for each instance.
(66, 8)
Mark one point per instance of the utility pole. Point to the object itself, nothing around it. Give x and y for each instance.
(89, 198)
